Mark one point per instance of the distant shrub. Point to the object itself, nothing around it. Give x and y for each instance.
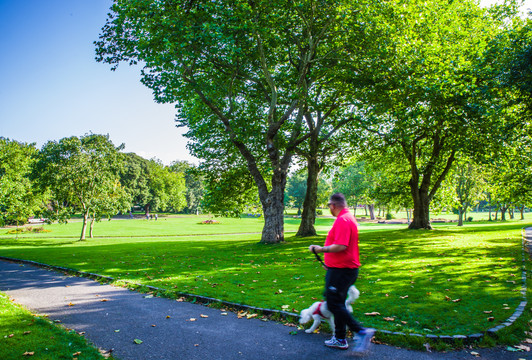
(31, 229)
(469, 219)
(389, 216)
(210, 222)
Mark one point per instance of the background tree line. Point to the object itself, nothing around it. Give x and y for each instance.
(90, 176)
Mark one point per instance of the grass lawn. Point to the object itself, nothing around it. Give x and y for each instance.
(447, 281)
(24, 335)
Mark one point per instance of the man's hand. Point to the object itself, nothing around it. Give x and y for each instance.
(315, 248)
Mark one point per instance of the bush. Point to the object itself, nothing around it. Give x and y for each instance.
(29, 229)
(319, 212)
(469, 219)
(389, 216)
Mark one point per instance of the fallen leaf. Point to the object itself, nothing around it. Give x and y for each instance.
(104, 300)
(11, 335)
(192, 319)
(204, 316)
(488, 312)
(148, 296)
(76, 353)
(250, 316)
(456, 300)
(29, 353)
(293, 332)
(372, 313)
(491, 318)
(389, 319)
(71, 304)
(117, 330)
(224, 314)
(475, 354)
(26, 332)
(137, 341)
(404, 297)
(168, 316)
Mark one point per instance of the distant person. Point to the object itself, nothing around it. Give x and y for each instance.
(147, 216)
(156, 216)
(130, 214)
(342, 260)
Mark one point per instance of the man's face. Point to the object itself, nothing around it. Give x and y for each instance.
(332, 208)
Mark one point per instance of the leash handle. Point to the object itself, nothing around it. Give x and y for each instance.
(319, 258)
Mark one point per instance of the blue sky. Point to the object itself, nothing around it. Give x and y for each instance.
(51, 87)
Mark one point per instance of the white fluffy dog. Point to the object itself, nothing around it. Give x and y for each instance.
(319, 311)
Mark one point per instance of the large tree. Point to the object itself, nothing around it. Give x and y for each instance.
(245, 75)
(427, 104)
(82, 175)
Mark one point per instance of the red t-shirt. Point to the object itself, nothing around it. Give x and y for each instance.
(343, 232)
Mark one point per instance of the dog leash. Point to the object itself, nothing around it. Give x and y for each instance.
(319, 258)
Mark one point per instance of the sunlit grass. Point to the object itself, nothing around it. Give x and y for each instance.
(446, 281)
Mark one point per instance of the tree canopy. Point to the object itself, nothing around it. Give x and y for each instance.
(248, 77)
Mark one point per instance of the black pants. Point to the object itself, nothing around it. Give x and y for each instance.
(337, 282)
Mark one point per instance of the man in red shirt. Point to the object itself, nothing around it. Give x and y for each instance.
(342, 260)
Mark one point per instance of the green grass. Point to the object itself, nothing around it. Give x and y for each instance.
(23, 335)
(411, 277)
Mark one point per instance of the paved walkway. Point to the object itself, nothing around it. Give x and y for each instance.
(166, 328)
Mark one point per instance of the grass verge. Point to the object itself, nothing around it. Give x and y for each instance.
(23, 335)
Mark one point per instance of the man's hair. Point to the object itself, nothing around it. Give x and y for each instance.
(338, 199)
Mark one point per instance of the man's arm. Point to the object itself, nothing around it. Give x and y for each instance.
(334, 248)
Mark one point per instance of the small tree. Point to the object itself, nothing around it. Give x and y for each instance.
(80, 173)
(296, 189)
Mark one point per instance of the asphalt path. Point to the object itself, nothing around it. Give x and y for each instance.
(113, 317)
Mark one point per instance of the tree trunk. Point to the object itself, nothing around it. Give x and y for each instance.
(91, 227)
(503, 212)
(460, 217)
(522, 211)
(273, 208)
(308, 218)
(421, 199)
(371, 208)
(84, 227)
